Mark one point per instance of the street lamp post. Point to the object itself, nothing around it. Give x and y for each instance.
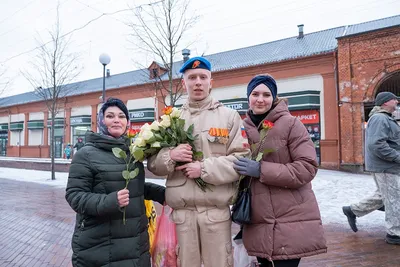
(104, 60)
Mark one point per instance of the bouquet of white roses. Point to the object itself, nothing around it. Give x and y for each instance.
(169, 132)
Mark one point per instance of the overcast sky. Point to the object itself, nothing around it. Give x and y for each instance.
(223, 25)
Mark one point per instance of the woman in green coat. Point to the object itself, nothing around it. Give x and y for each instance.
(95, 191)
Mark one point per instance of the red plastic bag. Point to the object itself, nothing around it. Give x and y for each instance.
(165, 241)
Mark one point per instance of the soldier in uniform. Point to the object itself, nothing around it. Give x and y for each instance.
(202, 218)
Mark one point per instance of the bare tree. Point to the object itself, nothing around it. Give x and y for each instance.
(52, 71)
(158, 29)
(4, 81)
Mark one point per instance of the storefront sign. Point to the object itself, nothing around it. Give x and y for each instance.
(142, 115)
(239, 104)
(82, 120)
(306, 116)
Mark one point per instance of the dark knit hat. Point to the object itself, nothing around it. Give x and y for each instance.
(262, 79)
(384, 97)
(115, 102)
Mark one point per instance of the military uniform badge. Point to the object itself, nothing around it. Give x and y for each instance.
(218, 135)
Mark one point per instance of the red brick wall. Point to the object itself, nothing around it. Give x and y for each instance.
(363, 61)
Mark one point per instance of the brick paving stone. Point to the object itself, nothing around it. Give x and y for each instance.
(37, 223)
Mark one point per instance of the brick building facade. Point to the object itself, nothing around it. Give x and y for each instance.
(368, 63)
(330, 79)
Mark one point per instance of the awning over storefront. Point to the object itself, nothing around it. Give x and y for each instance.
(302, 100)
(58, 122)
(17, 126)
(35, 124)
(3, 126)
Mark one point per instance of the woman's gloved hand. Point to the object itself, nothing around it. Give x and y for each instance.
(247, 167)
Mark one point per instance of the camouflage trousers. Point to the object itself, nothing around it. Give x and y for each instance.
(369, 204)
(389, 185)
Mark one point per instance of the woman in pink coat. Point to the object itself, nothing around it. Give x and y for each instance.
(285, 219)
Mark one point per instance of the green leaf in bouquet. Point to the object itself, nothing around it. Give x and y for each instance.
(190, 129)
(158, 137)
(151, 140)
(169, 132)
(181, 123)
(173, 143)
(259, 156)
(134, 173)
(138, 154)
(268, 150)
(119, 153)
(162, 131)
(190, 137)
(164, 144)
(198, 155)
(125, 174)
(151, 151)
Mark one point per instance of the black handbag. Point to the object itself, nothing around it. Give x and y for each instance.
(241, 210)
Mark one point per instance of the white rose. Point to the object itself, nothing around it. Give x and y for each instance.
(176, 113)
(156, 144)
(139, 142)
(147, 134)
(166, 122)
(145, 127)
(155, 126)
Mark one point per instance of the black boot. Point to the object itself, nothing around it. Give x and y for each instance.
(392, 239)
(351, 217)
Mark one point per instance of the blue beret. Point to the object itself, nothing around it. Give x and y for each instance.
(196, 63)
(262, 79)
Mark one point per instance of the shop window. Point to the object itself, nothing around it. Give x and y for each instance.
(35, 137)
(17, 138)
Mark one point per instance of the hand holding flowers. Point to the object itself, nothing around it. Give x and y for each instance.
(170, 132)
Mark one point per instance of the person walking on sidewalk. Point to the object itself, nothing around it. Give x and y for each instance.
(285, 219)
(382, 157)
(203, 221)
(364, 207)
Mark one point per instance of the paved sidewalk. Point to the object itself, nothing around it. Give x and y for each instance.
(36, 227)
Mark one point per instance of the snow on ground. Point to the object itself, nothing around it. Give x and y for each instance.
(333, 190)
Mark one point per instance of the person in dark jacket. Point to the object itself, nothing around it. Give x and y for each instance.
(285, 219)
(79, 144)
(95, 191)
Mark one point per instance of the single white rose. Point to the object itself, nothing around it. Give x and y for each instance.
(156, 144)
(139, 142)
(176, 113)
(155, 126)
(146, 135)
(145, 127)
(166, 121)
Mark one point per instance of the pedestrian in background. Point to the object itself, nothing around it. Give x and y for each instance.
(382, 158)
(67, 151)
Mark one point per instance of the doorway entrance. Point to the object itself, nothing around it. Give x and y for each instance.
(389, 84)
